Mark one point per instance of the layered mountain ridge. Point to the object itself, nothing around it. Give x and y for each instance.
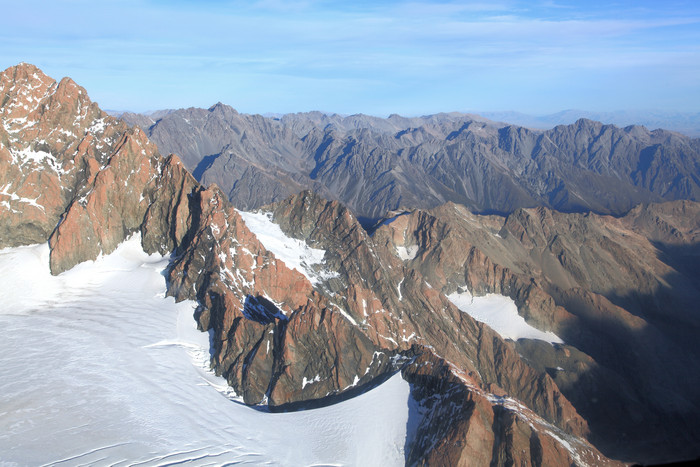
(374, 165)
(687, 123)
(353, 308)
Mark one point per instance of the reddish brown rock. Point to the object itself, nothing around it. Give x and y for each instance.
(623, 290)
(459, 423)
(412, 311)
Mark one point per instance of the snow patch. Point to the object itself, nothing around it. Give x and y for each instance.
(345, 314)
(407, 254)
(28, 156)
(14, 197)
(98, 126)
(296, 254)
(501, 315)
(306, 382)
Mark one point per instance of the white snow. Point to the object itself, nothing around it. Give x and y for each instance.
(345, 314)
(14, 197)
(407, 254)
(296, 254)
(99, 368)
(305, 381)
(501, 315)
(98, 126)
(27, 155)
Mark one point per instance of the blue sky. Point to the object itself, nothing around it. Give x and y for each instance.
(374, 57)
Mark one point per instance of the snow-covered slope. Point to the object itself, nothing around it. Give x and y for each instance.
(295, 253)
(501, 314)
(99, 368)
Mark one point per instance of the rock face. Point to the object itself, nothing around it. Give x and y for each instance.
(621, 292)
(374, 165)
(78, 177)
(289, 335)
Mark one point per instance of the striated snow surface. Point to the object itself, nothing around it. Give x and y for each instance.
(98, 367)
(296, 254)
(501, 315)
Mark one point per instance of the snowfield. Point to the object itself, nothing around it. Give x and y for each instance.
(296, 254)
(98, 367)
(501, 315)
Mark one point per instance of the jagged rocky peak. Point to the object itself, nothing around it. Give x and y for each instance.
(405, 317)
(77, 176)
(373, 165)
(223, 109)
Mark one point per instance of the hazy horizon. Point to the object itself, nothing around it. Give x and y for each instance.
(687, 123)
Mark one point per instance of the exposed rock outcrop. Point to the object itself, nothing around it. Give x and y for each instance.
(460, 424)
(78, 177)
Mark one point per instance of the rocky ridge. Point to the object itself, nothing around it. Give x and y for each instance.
(79, 178)
(619, 291)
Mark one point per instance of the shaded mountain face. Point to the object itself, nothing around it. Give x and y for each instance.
(620, 292)
(374, 165)
(304, 307)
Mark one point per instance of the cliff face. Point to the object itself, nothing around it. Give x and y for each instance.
(78, 177)
(407, 317)
(305, 307)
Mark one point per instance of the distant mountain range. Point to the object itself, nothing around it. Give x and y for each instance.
(687, 123)
(374, 165)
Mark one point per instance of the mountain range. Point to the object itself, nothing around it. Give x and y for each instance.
(687, 123)
(375, 165)
(594, 362)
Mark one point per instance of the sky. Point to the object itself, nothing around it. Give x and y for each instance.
(374, 57)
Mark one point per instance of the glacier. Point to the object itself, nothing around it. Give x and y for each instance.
(99, 367)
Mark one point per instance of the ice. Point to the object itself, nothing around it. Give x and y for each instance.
(100, 368)
(501, 315)
(296, 254)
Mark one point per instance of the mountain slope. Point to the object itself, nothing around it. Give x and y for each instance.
(374, 165)
(620, 292)
(687, 123)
